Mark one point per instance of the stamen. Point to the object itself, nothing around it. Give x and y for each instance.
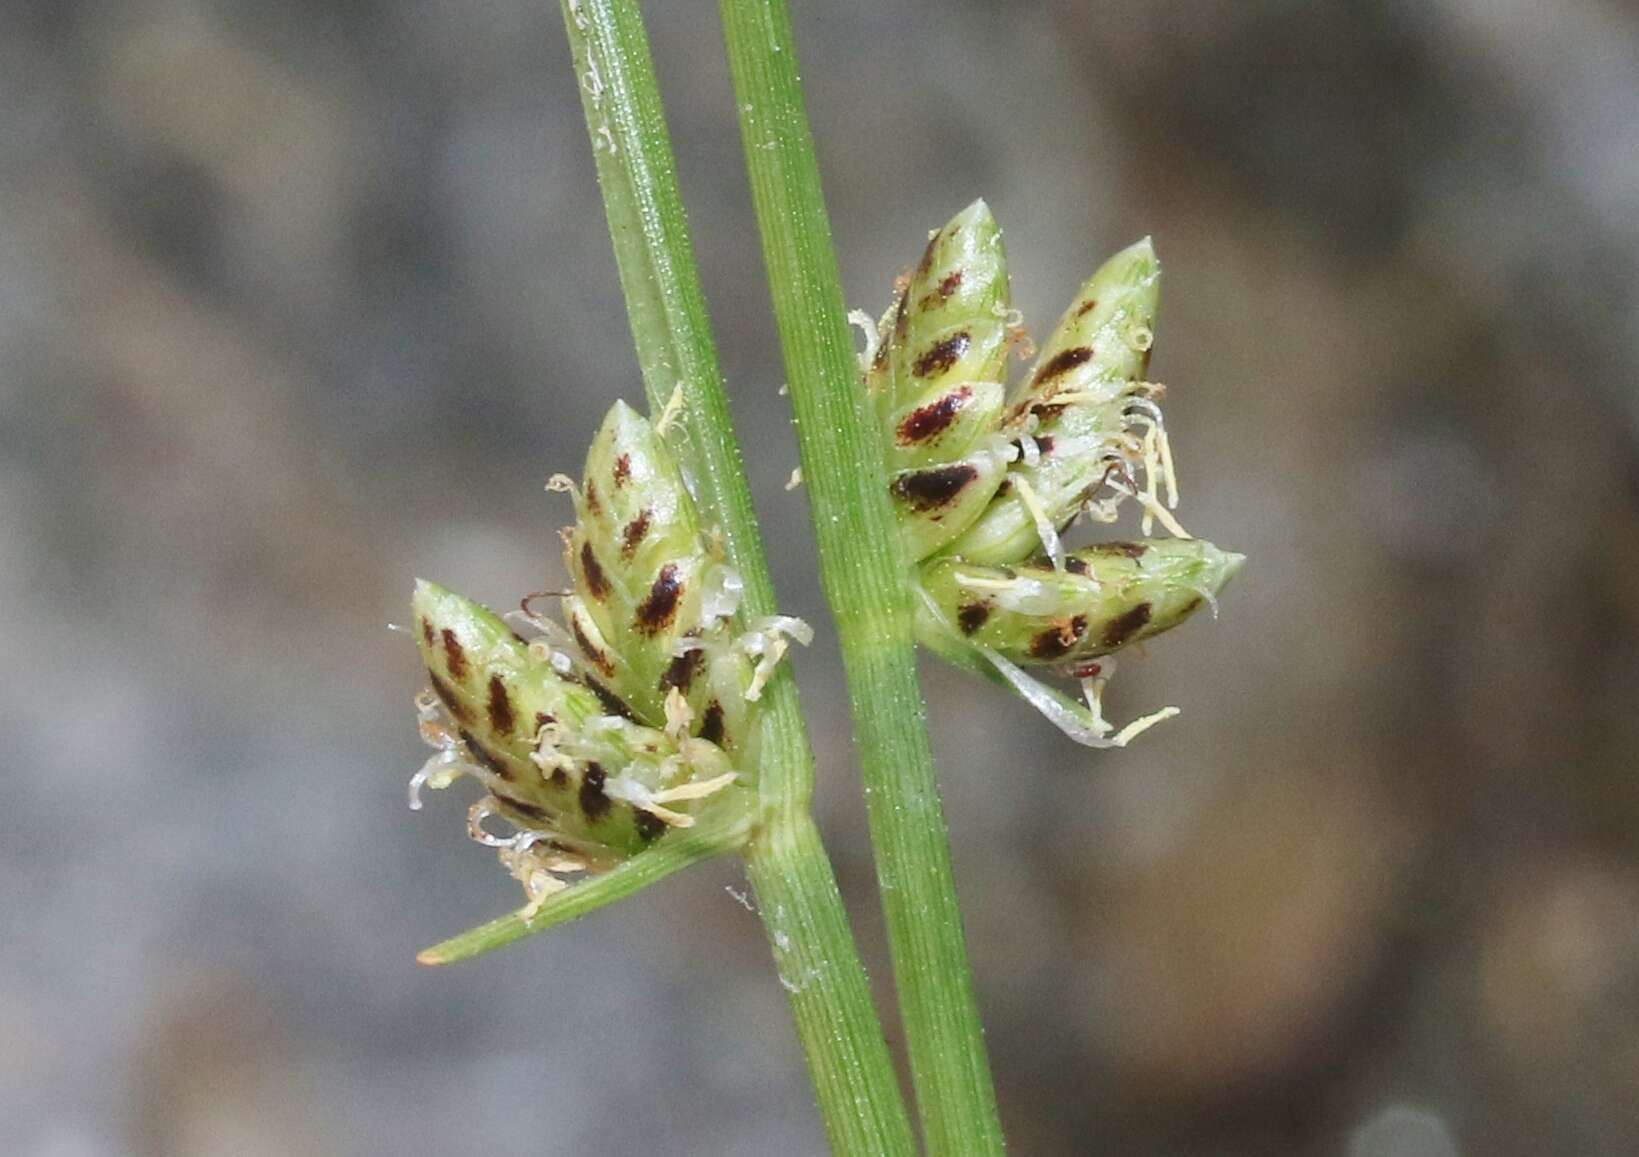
(535, 874)
(1086, 726)
(1162, 515)
(629, 790)
(770, 650)
(1092, 691)
(1140, 725)
(766, 642)
(1152, 466)
(674, 407)
(679, 715)
(697, 790)
(1044, 528)
(1167, 472)
(789, 625)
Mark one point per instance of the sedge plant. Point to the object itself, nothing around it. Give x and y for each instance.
(654, 723)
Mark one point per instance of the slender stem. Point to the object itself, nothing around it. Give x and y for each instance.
(848, 1061)
(799, 904)
(671, 330)
(864, 576)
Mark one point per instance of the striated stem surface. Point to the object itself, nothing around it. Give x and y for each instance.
(864, 576)
(848, 1061)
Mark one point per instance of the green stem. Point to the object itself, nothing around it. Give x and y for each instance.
(799, 904)
(864, 576)
(848, 1061)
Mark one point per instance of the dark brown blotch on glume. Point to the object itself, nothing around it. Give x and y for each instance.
(971, 617)
(925, 490)
(1125, 626)
(623, 470)
(485, 756)
(940, 293)
(597, 583)
(595, 654)
(632, 537)
(650, 827)
(711, 724)
(455, 658)
(1075, 565)
(1087, 307)
(594, 804)
(656, 612)
(501, 718)
(457, 708)
(942, 354)
(926, 264)
(1055, 642)
(538, 814)
(1063, 362)
(929, 421)
(612, 703)
(682, 670)
(593, 505)
(428, 635)
(1123, 549)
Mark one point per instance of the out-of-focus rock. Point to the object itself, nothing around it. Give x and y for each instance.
(1234, 959)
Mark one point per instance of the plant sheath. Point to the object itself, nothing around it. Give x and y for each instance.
(866, 584)
(848, 1061)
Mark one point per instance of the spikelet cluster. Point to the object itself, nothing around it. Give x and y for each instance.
(987, 481)
(626, 719)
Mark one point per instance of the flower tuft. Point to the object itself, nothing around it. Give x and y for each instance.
(631, 718)
(987, 483)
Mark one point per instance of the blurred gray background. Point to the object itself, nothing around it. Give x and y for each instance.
(300, 300)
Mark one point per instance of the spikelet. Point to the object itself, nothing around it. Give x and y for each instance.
(654, 603)
(1105, 597)
(560, 753)
(936, 381)
(986, 488)
(636, 715)
(1080, 406)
